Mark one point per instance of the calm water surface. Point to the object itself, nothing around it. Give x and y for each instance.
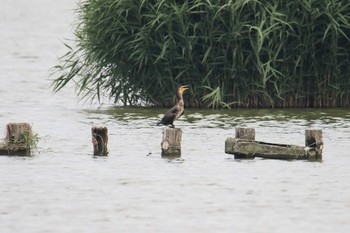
(63, 188)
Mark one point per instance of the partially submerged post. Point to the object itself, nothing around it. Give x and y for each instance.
(171, 143)
(100, 140)
(313, 144)
(245, 133)
(242, 134)
(19, 139)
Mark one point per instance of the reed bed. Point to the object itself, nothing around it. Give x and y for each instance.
(232, 53)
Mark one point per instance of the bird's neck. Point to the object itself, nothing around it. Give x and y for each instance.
(181, 102)
(179, 98)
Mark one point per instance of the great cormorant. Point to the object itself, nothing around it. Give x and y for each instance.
(175, 112)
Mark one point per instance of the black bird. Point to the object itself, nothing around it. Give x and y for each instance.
(175, 112)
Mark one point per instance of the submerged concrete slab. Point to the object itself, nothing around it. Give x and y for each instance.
(242, 148)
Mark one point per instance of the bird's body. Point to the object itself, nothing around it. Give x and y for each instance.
(175, 112)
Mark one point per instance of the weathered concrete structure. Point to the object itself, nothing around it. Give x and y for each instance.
(244, 146)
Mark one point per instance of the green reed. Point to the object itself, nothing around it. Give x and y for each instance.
(232, 53)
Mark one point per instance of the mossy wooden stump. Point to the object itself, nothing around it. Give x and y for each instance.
(100, 140)
(18, 140)
(244, 146)
(171, 143)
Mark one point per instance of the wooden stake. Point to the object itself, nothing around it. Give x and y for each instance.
(100, 140)
(313, 144)
(19, 139)
(245, 133)
(171, 143)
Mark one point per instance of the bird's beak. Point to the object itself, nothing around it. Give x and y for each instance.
(182, 89)
(185, 87)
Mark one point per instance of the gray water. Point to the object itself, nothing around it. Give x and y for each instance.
(64, 188)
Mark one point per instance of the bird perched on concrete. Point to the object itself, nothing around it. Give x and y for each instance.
(175, 112)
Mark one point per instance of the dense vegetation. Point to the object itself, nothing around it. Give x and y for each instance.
(232, 53)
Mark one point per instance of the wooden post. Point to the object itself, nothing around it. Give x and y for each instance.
(171, 143)
(100, 140)
(313, 144)
(245, 133)
(241, 134)
(19, 139)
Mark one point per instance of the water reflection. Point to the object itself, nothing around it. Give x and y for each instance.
(173, 159)
(229, 118)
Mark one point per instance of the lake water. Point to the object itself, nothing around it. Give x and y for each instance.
(64, 188)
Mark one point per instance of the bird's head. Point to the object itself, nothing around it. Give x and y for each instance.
(182, 89)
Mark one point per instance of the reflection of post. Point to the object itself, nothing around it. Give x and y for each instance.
(313, 144)
(245, 133)
(19, 138)
(171, 143)
(100, 140)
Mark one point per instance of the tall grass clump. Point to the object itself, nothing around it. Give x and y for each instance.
(241, 53)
